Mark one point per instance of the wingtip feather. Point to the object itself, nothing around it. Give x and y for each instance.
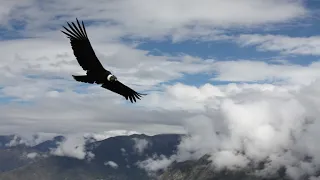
(74, 31)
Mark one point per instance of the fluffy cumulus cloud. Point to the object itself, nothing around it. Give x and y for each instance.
(268, 112)
(250, 123)
(73, 146)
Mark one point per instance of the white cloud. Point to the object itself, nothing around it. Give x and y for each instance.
(73, 146)
(282, 43)
(41, 89)
(155, 163)
(274, 122)
(50, 55)
(14, 142)
(90, 156)
(230, 160)
(107, 134)
(140, 145)
(98, 110)
(245, 70)
(47, 58)
(111, 164)
(30, 139)
(165, 18)
(32, 155)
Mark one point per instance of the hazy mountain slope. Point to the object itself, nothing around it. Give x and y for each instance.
(5, 140)
(13, 157)
(202, 169)
(125, 151)
(55, 168)
(116, 158)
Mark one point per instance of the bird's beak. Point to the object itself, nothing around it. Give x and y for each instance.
(114, 78)
(111, 77)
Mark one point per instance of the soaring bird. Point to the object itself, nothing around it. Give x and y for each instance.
(95, 72)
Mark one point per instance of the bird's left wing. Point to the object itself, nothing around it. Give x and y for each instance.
(118, 87)
(82, 48)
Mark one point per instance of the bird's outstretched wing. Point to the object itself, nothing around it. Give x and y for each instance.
(118, 87)
(82, 48)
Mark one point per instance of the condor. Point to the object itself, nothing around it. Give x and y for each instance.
(95, 72)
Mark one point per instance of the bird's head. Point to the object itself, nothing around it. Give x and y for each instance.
(111, 77)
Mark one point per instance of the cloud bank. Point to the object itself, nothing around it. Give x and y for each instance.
(251, 123)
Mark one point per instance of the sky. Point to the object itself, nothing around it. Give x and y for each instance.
(248, 69)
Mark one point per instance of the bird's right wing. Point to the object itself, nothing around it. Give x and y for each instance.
(82, 48)
(119, 88)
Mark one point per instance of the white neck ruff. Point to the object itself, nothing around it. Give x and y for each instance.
(109, 76)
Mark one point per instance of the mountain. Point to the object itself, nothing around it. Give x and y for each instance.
(46, 146)
(18, 155)
(4, 140)
(202, 169)
(114, 158)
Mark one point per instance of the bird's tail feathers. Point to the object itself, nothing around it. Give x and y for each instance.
(83, 78)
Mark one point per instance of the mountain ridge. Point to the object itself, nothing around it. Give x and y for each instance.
(117, 158)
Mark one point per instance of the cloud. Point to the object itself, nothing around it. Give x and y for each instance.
(140, 145)
(282, 43)
(73, 146)
(61, 106)
(123, 151)
(29, 139)
(46, 59)
(111, 164)
(42, 79)
(277, 122)
(107, 134)
(37, 70)
(155, 163)
(32, 155)
(165, 18)
(253, 71)
(251, 123)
